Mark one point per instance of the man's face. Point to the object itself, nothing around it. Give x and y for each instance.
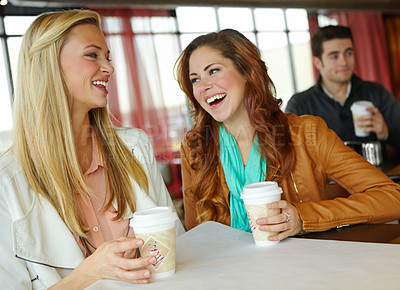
(337, 61)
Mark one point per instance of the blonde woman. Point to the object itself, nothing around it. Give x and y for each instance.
(71, 181)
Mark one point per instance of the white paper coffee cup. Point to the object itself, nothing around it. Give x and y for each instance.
(156, 227)
(256, 196)
(358, 109)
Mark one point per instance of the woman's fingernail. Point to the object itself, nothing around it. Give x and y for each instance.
(146, 274)
(152, 260)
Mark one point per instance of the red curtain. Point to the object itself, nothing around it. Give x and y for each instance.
(392, 28)
(372, 60)
(313, 26)
(146, 109)
(371, 54)
(144, 113)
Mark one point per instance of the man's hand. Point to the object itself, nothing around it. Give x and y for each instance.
(374, 123)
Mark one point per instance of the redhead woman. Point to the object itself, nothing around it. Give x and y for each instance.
(241, 136)
(71, 181)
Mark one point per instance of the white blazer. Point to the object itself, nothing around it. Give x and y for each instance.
(36, 247)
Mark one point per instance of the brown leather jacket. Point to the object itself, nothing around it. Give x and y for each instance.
(320, 156)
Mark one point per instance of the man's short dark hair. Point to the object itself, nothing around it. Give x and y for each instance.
(327, 33)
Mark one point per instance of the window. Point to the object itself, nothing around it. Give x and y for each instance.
(282, 35)
(11, 30)
(156, 48)
(5, 100)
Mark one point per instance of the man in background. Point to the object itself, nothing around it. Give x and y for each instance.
(338, 88)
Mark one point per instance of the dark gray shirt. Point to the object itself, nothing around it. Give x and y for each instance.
(314, 101)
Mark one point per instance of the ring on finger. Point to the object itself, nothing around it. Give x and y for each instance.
(288, 217)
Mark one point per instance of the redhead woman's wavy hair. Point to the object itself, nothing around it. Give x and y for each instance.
(43, 136)
(270, 123)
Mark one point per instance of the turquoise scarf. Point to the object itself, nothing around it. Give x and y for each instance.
(237, 176)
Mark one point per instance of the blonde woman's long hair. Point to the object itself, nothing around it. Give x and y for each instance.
(44, 141)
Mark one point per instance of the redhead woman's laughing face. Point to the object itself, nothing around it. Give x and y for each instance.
(217, 85)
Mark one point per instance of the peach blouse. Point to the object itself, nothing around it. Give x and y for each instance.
(102, 226)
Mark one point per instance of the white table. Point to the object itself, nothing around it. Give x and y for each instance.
(214, 256)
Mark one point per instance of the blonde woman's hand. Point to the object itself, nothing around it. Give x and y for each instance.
(108, 262)
(286, 223)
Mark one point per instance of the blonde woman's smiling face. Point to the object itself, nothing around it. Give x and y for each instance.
(85, 64)
(217, 85)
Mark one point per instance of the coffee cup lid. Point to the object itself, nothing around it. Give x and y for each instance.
(364, 104)
(153, 216)
(248, 196)
(260, 189)
(263, 184)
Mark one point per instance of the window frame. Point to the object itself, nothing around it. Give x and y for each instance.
(6, 55)
(255, 31)
(10, 10)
